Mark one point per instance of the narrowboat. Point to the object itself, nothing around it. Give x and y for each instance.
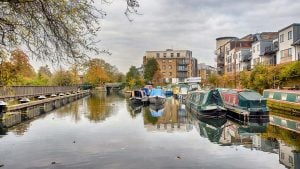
(206, 103)
(138, 97)
(157, 96)
(247, 103)
(287, 100)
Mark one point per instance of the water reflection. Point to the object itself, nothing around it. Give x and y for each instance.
(100, 106)
(170, 117)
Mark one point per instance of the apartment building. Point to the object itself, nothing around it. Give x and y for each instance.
(237, 55)
(289, 44)
(263, 41)
(268, 48)
(175, 65)
(220, 52)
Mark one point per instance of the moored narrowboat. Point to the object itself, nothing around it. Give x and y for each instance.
(246, 103)
(157, 96)
(206, 103)
(287, 100)
(138, 97)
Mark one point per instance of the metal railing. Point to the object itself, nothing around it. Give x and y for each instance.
(29, 91)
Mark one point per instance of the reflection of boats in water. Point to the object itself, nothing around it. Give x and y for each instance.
(168, 118)
(156, 110)
(211, 128)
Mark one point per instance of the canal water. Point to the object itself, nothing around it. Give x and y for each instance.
(106, 132)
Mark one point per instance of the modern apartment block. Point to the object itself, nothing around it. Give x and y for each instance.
(237, 55)
(262, 42)
(220, 52)
(268, 48)
(289, 44)
(175, 65)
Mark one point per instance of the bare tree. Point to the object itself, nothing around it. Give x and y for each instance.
(55, 30)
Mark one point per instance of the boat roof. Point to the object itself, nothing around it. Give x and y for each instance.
(251, 95)
(283, 91)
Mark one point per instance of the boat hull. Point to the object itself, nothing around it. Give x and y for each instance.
(213, 113)
(157, 100)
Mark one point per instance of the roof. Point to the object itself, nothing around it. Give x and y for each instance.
(268, 35)
(294, 24)
(226, 37)
(250, 95)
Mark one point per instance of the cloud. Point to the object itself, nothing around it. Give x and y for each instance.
(187, 24)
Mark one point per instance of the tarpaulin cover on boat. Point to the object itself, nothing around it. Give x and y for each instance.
(157, 92)
(251, 99)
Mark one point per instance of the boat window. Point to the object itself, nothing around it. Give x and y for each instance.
(298, 99)
(271, 94)
(283, 96)
(298, 126)
(137, 94)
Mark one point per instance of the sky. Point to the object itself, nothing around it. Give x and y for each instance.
(186, 25)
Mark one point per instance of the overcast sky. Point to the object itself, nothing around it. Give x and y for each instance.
(187, 24)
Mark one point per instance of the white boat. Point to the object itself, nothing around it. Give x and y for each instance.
(157, 96)
(138, 97)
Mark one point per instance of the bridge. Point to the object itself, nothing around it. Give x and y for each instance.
(108, 87)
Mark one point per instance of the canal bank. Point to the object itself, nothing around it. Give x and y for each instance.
(15, 114)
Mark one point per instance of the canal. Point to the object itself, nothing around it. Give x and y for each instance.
(105, 131)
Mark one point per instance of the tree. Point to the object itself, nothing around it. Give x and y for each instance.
(53, 29)
(213, 79)
(96, 73)
(133, 78)
(62, 78)
(150, 69)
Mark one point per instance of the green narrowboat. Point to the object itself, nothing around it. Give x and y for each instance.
(247, 103)
(287, 100)
(206, 103)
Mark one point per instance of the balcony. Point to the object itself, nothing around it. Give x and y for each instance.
(246, 57)
(272, 49)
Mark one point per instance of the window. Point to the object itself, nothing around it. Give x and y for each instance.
(170, 66)
(170, 73)
(257, 47)
(291, 160)
(290, 52)
(290, 34)
(163, 60)
(165, 55)
(178, 55)
(164, 74)
(170, 60)
(157, 55)
(282, 155)
(281, 38)
(164, 67)
(281, 54)
(172, 55)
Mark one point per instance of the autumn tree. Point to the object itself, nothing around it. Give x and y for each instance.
(133, 78)
(55, 30)
(150, 69)
(96, 73)
(62, 78)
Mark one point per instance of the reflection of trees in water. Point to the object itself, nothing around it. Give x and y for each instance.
(289, 137)
(100, 106)
(71, 109)
(148, 118)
